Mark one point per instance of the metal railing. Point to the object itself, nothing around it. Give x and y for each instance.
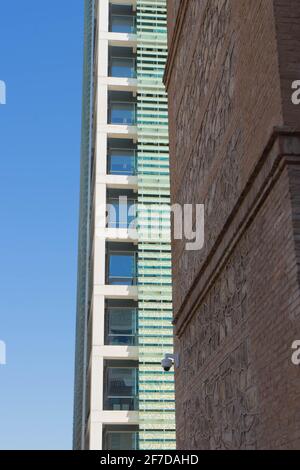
(122, 24)
(121, 215)
(112, 437)
(122, 280)
(122, 67)
(122, 113)
(117, 331)
(122, 168)
(121, 340)
(121, 403)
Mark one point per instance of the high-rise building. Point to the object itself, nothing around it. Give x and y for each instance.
(123, 399)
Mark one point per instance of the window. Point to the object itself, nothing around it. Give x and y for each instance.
(121, 440)
(123, 67)
(122, 268)
(121, 212)
(122, 113)
(121, 326)
(121, 162)
(121, 388)
(122, 24)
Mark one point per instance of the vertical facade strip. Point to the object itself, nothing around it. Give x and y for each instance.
(156, 388)
(84, 221)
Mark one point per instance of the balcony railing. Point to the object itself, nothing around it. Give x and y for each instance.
(122, 268)
(122, 280)
(122, 440)
(116, 403)
(121, 326)
(121, 214)
(122, 113)
(121, 391)
(121, 162)
(121, 340)
(123, 24)
(122, 67)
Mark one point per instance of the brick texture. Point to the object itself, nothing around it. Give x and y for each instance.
(235, 147)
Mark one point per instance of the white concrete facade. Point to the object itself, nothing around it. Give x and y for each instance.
(99, 352)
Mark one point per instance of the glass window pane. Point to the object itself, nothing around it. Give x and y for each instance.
(121, 389)
(122, 24)
(121, 382)
(131, 213)
(121, 441)
(122, 67)
(121, 212)
(121, 326)
(122, 269)
(122, 162)
(112, 209)
(122, 113)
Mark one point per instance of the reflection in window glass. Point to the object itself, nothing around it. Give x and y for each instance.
(121, 326)
(122, 269)
(122, 441)
(122, 24)
(121, 212)
(122, 382)
(122, 67)
(122, 113)
(121, 162)
(121, 388)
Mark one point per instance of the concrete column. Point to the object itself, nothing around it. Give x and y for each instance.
(99, 248)
(96, 436)
(101, 152)
(103, 16)
(98, 320)
(97, 368)
(97, 362)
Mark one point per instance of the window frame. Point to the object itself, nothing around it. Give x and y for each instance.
(134, 336)
(122, 253)
(110, 156)
(110, 109)
(115, 15)
(132, 59)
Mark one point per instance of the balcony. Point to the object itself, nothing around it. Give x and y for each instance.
(122, 19)
(122, 113)
(120, 438)
(121, 157)
(122, 24)
(121, 209)
(121, 387)
(122, 67)
(121, 62)
(121, 326)
(121, 264)
(121, 161)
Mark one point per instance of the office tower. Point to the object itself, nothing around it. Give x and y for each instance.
(123, 399)
(235, 147)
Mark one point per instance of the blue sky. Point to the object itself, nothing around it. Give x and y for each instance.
(41, 62)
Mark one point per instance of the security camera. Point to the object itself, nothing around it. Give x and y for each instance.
(168, 361)
(166, 364)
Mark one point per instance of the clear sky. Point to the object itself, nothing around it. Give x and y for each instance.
(41, 46)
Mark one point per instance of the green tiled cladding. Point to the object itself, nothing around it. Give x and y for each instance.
(156, 388)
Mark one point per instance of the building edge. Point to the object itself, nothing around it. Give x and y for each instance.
(83, 233)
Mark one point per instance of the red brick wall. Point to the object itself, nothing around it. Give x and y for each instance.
(234, 148)
(173, 6)
(287, 21)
